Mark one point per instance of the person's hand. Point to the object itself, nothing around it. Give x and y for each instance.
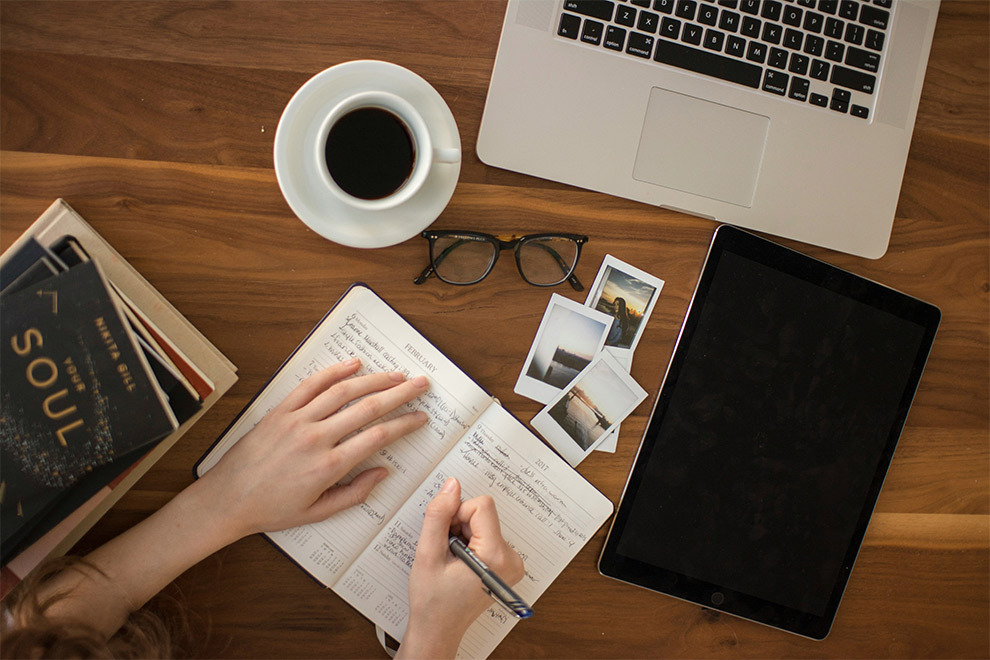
(285, 472)
(445, 596)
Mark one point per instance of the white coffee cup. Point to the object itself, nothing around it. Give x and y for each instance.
(425, 154)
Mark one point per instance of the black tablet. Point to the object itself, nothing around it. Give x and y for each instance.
(771, 436)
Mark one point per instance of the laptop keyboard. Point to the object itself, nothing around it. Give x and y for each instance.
(826, 53)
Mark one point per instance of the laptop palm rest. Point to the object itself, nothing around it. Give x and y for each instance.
(700, 147)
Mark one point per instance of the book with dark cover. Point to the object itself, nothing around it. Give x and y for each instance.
(76, 390)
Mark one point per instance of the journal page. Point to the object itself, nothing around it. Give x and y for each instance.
(362, 325)
(546, 509)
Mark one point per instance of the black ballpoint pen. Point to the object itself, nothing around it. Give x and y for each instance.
(494, 585)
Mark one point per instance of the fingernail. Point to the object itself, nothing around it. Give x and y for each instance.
(397, 376)
(381, 476)
(420, 381)
(448, 486)
(352, 362)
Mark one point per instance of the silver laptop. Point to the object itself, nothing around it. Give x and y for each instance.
(791, 117)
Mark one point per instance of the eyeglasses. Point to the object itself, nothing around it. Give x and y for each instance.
(466, 257)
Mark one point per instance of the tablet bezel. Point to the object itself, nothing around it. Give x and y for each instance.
(729, 239)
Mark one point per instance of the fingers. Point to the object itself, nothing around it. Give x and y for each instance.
(478, 517)
(432, 547)
(338, 498)
(370, 440)
(318, 383)
(340, 393)
(372, 407)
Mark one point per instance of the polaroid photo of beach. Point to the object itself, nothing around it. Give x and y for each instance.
(628, 295)
(584, 413)
(568, 339)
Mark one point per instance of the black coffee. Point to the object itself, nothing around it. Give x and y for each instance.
(369, 153)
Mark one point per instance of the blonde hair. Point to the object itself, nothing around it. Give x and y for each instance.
(28, 632)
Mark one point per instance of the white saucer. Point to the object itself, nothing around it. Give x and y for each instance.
(300, 181)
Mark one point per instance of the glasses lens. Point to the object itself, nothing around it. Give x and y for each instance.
(546, 261)
(462, 259)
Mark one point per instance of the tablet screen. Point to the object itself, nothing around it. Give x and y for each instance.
(771, 435)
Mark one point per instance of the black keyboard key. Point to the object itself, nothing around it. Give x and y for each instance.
(664, 6)
(771, 10)
(886, 4)
(849, 9)
(820, 69)
(645, 4)
(793, 39)
(862, 59)
(714, 40)
(570, 26)
(828, 6)
(751, 27)
(859, 111)
(775, 82)
(640, 44)
(840, 100)
(874, 40)
(834, 28)
(814, 45)
(855, 33)
(592, 32)
(699, 61)
(685, 9)
(731, 4)
(708, 15)
(625, 16)
(600, 9)
(691, 34)
(852, 79)
(729, 21)
(835, 51)
(818, 99)
(735, 46)
(874, 17)
(811, 4)
(792, 15)
(772, 32)
(799, 64)
(615, 37)
(670, 28)
(799, 88)
(648, 22)
(756, 52)
(777, 58)
(813, 22)
(750, 6)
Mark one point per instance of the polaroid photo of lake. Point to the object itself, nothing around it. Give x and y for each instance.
(583, 414)
(611, 441)
(628, 295)
(568, 339)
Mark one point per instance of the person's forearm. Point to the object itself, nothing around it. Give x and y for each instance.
(140, 562)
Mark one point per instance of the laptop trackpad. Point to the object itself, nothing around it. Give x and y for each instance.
(700, 147)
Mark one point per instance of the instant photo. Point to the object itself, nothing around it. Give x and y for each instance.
(584, 414)
(628, 295)
(568, 339)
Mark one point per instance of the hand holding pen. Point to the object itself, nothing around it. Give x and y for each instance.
(445, 594)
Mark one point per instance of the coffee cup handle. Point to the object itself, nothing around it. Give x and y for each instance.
(446, 155)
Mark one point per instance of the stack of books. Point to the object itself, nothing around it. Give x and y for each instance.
(100, 377)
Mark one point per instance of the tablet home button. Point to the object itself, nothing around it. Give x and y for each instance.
(718, 598)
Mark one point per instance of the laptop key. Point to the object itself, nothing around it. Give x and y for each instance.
(849, 9)
(775, 81)
(735, 46)
(670, 27)
(756, 52)
(750, 6)
(729, 21)
(874, 40)
(771, 10)
(600, 9)
(834, 28)
(664, 6)
(854, 33)
(859, 111)
(819, 69)
(778, 58)
(874, 17)
(714, 39)
(818, 99)
(814, 45)
(691, 34)
(708, 15)
(592, 32)
(750, 27)
(625, 16)
(569, 26)
(835, 51)
(862, 59)
(707, 63)
(852, 79)
(648, 21)
(685, 9)
(615, 37)
(640, 44)
(840, 100)
(799, 88)
(813, 22)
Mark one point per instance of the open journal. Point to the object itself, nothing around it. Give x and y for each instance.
(547, 510)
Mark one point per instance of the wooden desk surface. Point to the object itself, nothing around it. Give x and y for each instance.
(155, 120)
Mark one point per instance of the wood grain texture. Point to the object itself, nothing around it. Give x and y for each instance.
(155, 120)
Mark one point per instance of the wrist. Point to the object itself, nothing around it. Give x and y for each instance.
(201, 501)
(425, 638)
